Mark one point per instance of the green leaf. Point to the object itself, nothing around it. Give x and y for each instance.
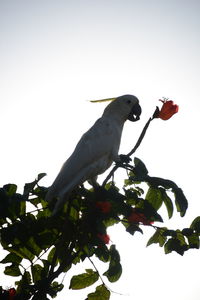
(132, 228)
(40, 176)
(158, 237)
(15, 204)
(180, 237)
(180, 201)
(45, 239)
(177, 245)
(128, 182)
(10, 189)
(12, 270)
(24, 253)
(28, 187)
(149, 211)
(196, 224)
(169, 232)
(101, 293)
(23, 285)
(51, 254)
(111, 221)
(36, 271)
(83, 280)
(187, 231)
(22, 208)
(55, 288)
(140, 169)
(193, 241)
(115, 269)
(11, 258)
(114, 272)
(168, 202)
(74, 214)
(33, 247)
(154, 197)
(131, 196)
(46, 266)
(102, 253)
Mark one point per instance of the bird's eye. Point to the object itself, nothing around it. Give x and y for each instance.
(128, 101)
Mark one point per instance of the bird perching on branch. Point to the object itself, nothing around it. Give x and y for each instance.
(96, 150)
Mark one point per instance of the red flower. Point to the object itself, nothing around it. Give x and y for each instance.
(138, 217)
(104, 237)
(104, 206)
(168, 109)
(12, 293)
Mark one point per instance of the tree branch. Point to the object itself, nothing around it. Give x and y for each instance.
(130, 153)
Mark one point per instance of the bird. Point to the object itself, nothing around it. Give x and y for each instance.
(96, 150)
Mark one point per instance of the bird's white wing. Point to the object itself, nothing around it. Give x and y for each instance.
(94, 153)
(101, 139)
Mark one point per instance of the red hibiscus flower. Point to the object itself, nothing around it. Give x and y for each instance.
(168, 109)
(104, 237)
(104, 206)
(138, 217)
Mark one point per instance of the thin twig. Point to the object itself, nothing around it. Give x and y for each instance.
(102, 279)
(96, 271)
(110, 175)
(130, 153)
(140, 137)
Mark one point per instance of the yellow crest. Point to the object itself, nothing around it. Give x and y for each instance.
(103, 100)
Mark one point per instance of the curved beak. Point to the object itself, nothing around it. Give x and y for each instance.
(135, 113)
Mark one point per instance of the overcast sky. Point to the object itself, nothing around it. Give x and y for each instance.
(56, 55)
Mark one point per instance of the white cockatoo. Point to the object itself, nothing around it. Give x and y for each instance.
(96, 150)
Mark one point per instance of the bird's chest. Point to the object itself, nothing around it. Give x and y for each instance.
(113, 131)
(115, 136)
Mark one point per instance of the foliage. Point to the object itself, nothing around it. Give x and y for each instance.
(41, 247)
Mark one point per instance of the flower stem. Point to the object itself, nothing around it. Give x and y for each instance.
(132, 151)
(140, 137)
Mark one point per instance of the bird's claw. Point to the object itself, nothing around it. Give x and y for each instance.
(125, 158)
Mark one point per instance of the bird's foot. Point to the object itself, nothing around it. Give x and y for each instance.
(125, 159)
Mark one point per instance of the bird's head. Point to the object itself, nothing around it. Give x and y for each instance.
(126, 107)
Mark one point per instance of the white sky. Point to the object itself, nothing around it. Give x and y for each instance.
(55, 55)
